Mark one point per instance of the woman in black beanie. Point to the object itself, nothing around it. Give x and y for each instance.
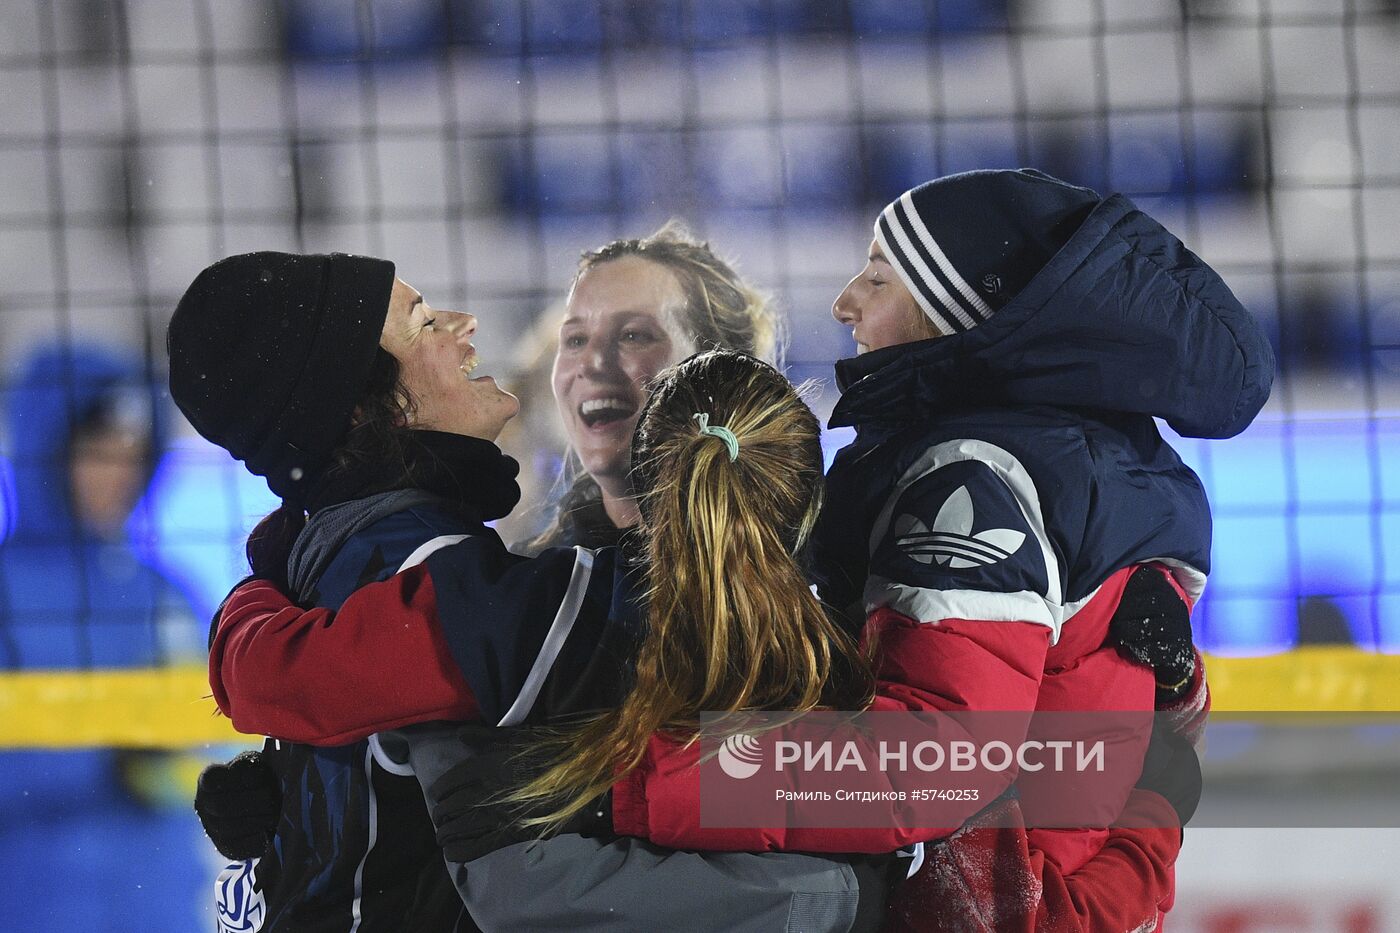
(309, 368)
(355, 398)
(352, 396)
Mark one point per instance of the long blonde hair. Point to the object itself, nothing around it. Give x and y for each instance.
(732, 622)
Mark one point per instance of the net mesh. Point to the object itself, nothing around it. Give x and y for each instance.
(483, 145)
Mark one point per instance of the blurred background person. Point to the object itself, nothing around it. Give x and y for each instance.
(634, 308)
(88, 834)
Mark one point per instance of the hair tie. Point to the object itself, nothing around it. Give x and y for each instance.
(723, 433)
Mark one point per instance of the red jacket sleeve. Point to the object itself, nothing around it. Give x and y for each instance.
(1131, 879)
(954, 665)
(300, 674)
(989, 871)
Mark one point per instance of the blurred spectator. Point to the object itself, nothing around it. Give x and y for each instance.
(1322, 622)
(89, 838)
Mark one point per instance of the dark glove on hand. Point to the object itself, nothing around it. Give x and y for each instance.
(471, 819)
(239, 804)
(1172, 768)
(1153, 626)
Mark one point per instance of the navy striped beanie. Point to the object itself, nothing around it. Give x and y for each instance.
(966, 244)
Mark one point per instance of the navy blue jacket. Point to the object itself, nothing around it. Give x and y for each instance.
(1007, 472)
(354, 848)
(1003, 481)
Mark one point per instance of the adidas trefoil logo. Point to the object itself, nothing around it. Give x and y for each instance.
(951, 542)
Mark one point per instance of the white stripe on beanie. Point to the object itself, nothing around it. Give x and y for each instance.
(929, 269)
(930, 295)
(984, 310)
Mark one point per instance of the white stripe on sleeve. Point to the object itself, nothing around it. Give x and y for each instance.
(554, 640)
(429, 548)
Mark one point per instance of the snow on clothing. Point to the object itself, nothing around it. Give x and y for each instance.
(987, 878)
(1079, 482)
(1002, 485)
(1004, 482)
(264, 643)
(70, 599)
(996, 858)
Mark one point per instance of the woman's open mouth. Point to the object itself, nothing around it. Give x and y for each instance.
(602, 411)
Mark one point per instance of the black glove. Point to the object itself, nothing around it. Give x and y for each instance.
(1153, 626)
(239, 804)
(1172, 768)
(467, 810)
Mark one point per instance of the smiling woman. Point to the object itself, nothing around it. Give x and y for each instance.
(436, 359)
(877, 307)
(354, 398)
(636, 307)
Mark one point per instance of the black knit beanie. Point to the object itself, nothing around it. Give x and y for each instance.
(270, 353)
(966, 244)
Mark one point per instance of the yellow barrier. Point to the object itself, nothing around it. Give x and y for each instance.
(171, 708)
(162, 708)
(1313, 680)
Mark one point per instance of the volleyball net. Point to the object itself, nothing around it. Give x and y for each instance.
(482, 144)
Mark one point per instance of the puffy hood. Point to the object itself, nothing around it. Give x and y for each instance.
(1123, 318)
(57, 389)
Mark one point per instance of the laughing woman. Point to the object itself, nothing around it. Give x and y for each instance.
(355, 398)
(634, 308)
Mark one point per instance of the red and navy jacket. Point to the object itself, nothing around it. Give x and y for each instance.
(354, 848)
(384, 661)
(465, 631)
(1002, 485)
